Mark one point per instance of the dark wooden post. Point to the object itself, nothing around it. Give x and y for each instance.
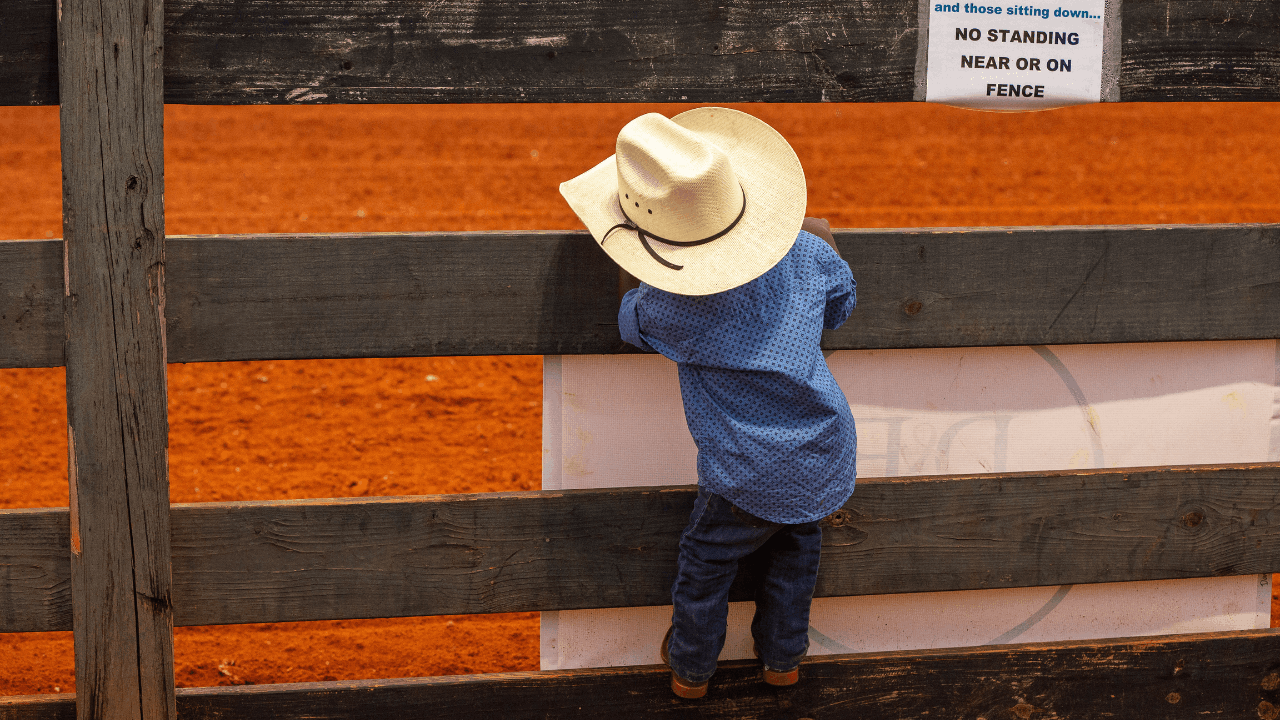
(112, 115)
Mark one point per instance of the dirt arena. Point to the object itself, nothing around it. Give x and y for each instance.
(262, 430)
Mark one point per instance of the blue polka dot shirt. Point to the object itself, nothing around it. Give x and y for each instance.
(773, 429)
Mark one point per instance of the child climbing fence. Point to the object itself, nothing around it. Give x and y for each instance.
(118, 301)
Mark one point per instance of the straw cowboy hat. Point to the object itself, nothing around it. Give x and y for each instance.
(696, 204)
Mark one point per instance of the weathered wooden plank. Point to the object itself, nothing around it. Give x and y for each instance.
(1172, 677)
(112, 130)
(1046, 286)
(1199, 50)
(327, 51)
(28, 52)
(444, 555)
(35, 570)
(553, 293)
(390, 295)
(584, 51)
(542, 551)
(60, 706)
(31, 293)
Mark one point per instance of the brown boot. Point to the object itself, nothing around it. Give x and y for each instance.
(681, 687)
(778, 678)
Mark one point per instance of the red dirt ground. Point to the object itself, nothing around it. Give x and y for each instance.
(261, 430)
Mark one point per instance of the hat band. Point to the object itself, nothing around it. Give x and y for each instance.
(645, 235)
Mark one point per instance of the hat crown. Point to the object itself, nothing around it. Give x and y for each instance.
(673, 183)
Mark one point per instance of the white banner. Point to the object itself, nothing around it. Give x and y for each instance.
(614, 421)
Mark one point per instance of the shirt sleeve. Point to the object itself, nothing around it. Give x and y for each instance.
(842, 292)
(629, 319)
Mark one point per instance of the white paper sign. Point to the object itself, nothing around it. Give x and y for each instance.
(1015, 57)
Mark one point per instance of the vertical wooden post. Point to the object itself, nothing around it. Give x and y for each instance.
(112, 115)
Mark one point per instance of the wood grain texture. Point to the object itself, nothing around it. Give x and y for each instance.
(455, 554)
(31, 292)
(553, 293)
(35, 570)
(112, 120)
(549, 50)
(1174, 677)
(1200, 50)
(28, 52)
(59, 706)
(328, 51)
(1061, 285)
(390, 295)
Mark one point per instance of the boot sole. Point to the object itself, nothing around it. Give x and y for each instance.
(781, 679)
(687, 690)
(777, 678)
(681, 687)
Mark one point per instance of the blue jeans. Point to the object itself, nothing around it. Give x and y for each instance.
(719, 535)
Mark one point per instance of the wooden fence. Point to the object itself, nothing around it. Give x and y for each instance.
(118, 300)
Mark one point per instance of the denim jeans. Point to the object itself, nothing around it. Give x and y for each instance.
(719, 535)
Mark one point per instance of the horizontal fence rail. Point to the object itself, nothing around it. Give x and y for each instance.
(267, 297)
(550, 293)
(458, 554)
(391, 51)
(1220, 675)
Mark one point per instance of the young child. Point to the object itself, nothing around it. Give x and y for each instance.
(707, 210)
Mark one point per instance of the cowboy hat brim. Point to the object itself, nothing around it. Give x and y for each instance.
(772, 183)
